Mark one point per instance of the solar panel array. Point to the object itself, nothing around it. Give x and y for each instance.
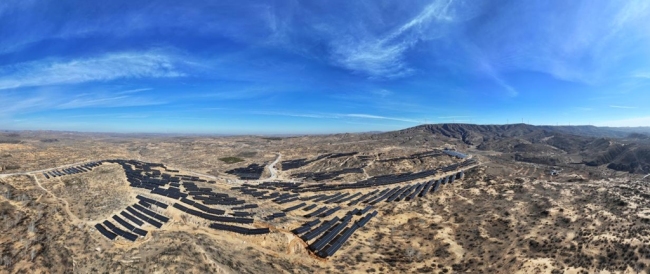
(413, 156)
(135, 216)
(293, 164)
(326, 233)
(454, 153)
(71, 170)
(251, 172)
(328, 226)
(327, 175)
(163, 182)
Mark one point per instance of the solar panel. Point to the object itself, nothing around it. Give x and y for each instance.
(127, 235)
(132, 219)
(151, 213)
(325, 239)
(144, 218)
(110, 235)
(130, 227)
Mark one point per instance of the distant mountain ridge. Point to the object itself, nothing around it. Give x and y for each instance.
(623, 149)
(515, 129)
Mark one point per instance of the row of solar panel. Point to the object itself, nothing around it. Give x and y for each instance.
(275, 216)
(410, 192)
(389, 195)
(141, 216)
(71, 170)
(343, 197)
(250, 206)
(138, 218)
(202, 207)
(336, 198)
(212, 217)
(295, 207)
(385, 179)
(454, 153)
(170, 192)
(375, 181)
(338, 242)
(307, 226)
(151, 201)
(208, 197)
(240, 230)
(331, 239)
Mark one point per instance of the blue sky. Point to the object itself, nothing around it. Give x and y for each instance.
(287, 67)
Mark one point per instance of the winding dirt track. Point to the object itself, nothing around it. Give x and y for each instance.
(271, 166)
(66, 206)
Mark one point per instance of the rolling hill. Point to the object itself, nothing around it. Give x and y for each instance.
(614, 148)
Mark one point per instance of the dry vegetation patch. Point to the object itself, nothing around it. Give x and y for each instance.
(231, 160)
(94, 195)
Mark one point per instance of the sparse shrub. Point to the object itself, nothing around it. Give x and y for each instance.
(6, 261)
(32, 254)
(231, 160)
(31, 227)
(12, 167)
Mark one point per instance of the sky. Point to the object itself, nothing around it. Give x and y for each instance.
(313, 67)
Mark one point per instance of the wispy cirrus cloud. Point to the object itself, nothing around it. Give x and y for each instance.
(107, 100)
(17, 103)
(643, 75)
(105, 67)
(382, 93)
(20, 103)
(378, 117)
(337, 116)
(454, 117)
(131, 91)
(293, 114)
(622, 107)
(589, 44)
(627, 122)
(382, 54)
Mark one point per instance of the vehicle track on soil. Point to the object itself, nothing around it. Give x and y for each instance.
(66, 205)
(271, 166)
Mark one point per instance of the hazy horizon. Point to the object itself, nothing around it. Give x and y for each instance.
(283, 67)
(641, 129)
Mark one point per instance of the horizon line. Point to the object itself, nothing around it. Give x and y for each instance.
(294, 134)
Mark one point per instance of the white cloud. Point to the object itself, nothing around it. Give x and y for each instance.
(645, 75)
(335, 116)
(131, 91)
(490, 72)
(106, 100)
(587, 44)
(622, 107)
(7, 6)
(369, 116)
(629, 122)
(13, 103)
(17, 103)
(290, 114)
(102, 68)
(382, 92)
(453, 117)
(383, 55)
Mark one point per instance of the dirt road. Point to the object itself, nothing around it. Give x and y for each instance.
(271, 166)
